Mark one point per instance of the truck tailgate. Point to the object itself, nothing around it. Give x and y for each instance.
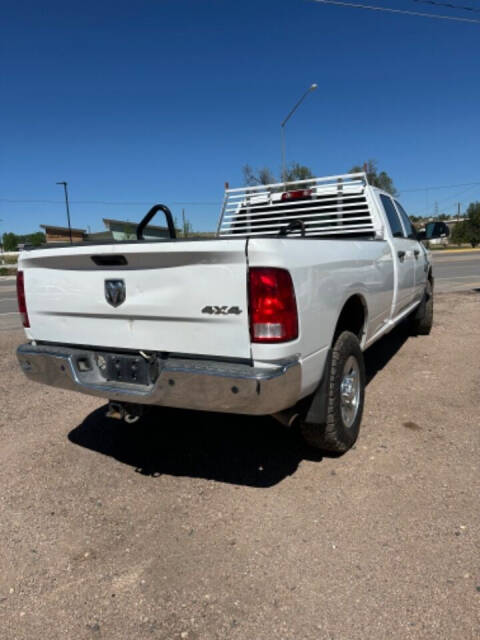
(187, 297)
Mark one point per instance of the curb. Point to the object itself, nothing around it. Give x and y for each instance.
(441, 252)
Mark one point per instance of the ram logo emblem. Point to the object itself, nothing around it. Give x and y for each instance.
(115, 292)
(224, 310)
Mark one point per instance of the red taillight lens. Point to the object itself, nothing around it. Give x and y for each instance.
(22, 303)
(273, 309)
(299, 194)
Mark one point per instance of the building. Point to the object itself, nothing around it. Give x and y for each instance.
(116, 230)
(62, 234)
(124, 230)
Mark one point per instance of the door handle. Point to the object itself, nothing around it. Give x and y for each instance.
(401, 254)
(416, 253)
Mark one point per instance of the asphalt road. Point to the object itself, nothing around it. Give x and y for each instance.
(9, 318)
(453, 272)
(191, 526)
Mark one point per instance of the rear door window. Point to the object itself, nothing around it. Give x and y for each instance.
(406, 222)
(392, 217)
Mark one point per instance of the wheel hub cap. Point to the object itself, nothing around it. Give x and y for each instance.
(350, 391)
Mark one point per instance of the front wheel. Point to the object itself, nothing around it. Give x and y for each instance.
(346, 395)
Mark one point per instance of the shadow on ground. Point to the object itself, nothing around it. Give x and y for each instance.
(379, 354)
(246, 450)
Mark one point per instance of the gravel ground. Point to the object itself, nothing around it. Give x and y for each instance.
(204, 526)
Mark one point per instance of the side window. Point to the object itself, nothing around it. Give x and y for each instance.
(406, 222)
(392, 217)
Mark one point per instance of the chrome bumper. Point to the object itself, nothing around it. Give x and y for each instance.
(205, 385)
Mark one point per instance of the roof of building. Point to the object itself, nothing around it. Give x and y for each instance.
(50, 228)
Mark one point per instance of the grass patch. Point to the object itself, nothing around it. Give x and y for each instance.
(8, 271)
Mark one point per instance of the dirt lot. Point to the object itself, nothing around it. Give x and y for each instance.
(212, 527)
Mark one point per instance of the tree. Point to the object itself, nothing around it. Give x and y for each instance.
(10, 242)
(298, 172)
(187, 227)
(468, 230)
(295, 171)
(473, 223)
(36, 239)
(254, 177)
(459, 233)
(381, 180)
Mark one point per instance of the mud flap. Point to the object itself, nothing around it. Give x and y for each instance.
(316, 406)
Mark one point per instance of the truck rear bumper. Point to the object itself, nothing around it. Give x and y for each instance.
(205, 385)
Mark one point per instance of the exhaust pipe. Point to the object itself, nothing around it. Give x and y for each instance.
(287, 417)
(115, 410)
(130, 413)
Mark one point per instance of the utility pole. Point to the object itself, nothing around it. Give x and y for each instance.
(458, 210)
(68, 210)
(184, 225)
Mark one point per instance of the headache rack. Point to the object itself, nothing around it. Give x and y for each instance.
(334, 206)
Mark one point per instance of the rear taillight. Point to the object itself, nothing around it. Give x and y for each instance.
(22, 303)
(273, 309)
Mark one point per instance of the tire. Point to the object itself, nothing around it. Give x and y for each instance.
(422, 319)
(344, 414)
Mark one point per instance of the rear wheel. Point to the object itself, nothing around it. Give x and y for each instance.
(346, 394)
(422, 319)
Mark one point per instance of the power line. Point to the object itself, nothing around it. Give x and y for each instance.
(446, 202)
(449, 5)
(354, 5)
(126, 203)
(106, 202)
(443, 186)
(201, 203)
(453, 199)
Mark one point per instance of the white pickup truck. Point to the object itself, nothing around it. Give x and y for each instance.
(270, 317)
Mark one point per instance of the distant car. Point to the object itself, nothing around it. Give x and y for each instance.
(436, 233)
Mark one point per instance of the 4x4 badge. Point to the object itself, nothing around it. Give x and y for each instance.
(222, 311)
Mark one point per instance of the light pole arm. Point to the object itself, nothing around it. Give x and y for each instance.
(298, 104)
(282, 128)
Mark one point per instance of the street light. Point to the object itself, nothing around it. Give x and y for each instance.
(68, 210)
(282, 127)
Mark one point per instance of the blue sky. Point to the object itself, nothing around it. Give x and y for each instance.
(165, 100)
